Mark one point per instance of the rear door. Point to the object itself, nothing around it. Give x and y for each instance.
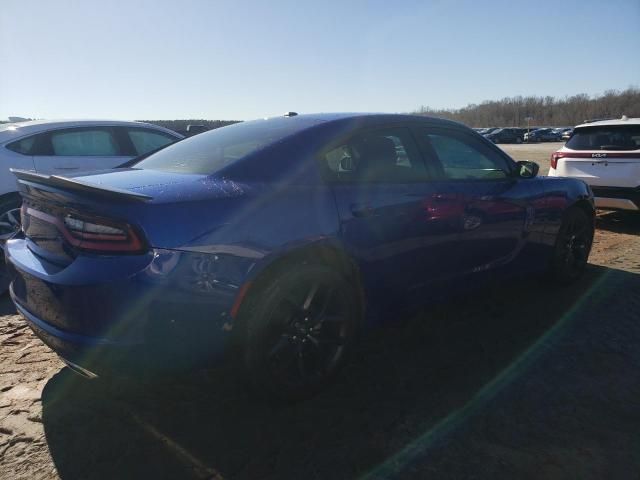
(73, 150)
(475, 182)
(382, 191)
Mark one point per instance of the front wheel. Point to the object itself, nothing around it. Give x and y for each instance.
(572, 247)
(299, 331)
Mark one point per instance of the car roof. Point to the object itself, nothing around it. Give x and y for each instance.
(367, 118)
(617, 121)
(19, 129)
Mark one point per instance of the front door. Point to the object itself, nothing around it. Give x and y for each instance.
(494, 207)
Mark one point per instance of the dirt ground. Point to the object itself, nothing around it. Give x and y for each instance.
(525, 380)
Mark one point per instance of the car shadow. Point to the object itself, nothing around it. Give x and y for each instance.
(404, 379)
(619, 222)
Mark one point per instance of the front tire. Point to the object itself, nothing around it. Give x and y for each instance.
(299, 331)
(573, 244)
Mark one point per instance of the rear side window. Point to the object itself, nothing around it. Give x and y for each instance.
(623, 137)
(378, 156)
(461, 158)
(146, 140)
(84, 142)
(23, 146)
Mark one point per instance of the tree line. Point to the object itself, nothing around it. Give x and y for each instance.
(544, 111)
(508, 112)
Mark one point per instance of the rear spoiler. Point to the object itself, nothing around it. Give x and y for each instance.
(27, 177)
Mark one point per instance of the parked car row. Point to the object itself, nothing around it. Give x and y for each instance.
(520, 135)
(271, 243)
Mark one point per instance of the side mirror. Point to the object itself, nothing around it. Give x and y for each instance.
(527, 169)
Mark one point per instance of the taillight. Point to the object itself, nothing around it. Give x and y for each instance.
(595, 156)
(101, 235)
(93, 233)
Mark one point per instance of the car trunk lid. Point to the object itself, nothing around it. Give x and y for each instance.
(63, 216)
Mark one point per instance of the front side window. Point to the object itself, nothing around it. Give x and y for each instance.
(84, 142)
(145, 141)
(462, 159)
(376, 156)
(623, 137)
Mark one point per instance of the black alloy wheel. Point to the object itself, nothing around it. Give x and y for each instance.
(300, 332)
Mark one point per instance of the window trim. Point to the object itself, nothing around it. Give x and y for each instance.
(474, 139)
(330, 178)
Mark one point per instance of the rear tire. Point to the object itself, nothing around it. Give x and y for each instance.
(573, 244)
(298, 332)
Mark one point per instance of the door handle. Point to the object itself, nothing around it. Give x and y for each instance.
(363, 210)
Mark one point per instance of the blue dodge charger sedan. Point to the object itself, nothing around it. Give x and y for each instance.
(275, 242)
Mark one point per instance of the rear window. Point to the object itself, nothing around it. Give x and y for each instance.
(623, 137)
(145, 141)
(209, 152)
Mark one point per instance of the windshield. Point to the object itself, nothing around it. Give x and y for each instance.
(617, 137)
(209, 152)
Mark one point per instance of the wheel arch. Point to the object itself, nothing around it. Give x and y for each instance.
(325, 254)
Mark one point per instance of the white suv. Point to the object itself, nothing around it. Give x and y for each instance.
(65, 147)
(606, 155)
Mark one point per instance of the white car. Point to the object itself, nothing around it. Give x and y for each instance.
(606, 155)
(65, 147)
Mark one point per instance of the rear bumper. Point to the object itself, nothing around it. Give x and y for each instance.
(169, 310)
(91, 356)
(614, 198)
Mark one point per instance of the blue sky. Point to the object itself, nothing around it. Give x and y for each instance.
(156, 59)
